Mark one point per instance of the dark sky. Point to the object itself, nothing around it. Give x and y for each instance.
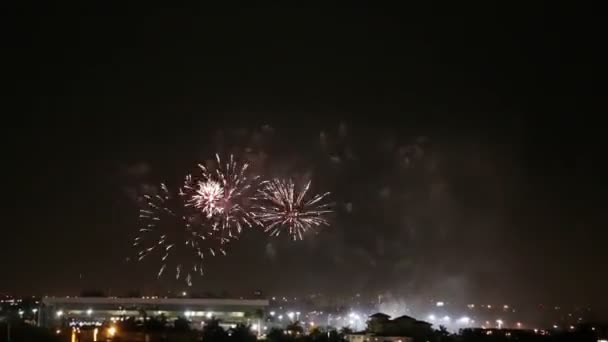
(463, 138)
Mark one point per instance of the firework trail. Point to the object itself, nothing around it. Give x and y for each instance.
(223, 195)
(176, 234)
(285, 208)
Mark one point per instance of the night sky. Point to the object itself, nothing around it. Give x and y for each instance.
(459, 144)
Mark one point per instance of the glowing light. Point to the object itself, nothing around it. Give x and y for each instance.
(282, 207)
(58, 331)
(208, 196)
(95, 332)
(184, 294)
(111, 331)
(89, 312)
(464, 320)
(272, 313)
(446, 318)
(500, 323)
(432, 317)
(290, 315)
(209, 315)
(59, 313)
(34, 310)
(439, 304)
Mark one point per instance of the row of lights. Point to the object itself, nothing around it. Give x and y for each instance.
(199, 313)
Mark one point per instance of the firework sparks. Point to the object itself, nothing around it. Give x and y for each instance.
(176, 234)
(285, 208)
(208, 196)
(222, 195)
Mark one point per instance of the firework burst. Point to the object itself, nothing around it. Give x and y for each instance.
(208, 197)
(222, 194)
(285, 208)
(176, 234)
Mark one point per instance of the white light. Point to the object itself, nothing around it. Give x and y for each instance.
(464, 320)
(184, 294)
(272, 313)
(446, 318)
(280, 317)
(20, 312)
(59, 313)
(111, 331)
(572, 327)
(254, 327)
(431, 317)
(439, 304)
(34, 310)
(89, 312)
(500, 323)
(290, 315)
(209, 314)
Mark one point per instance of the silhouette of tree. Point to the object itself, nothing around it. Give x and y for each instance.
(155, 323)
(181, 324)
(277, 335)
(213, 332)
(334, 336)
(295, 328)
(346, 331)
(242, 333)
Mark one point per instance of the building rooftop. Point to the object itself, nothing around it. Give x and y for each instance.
(379, 315)
(157, 301)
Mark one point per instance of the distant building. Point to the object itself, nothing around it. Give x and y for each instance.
(380, 328)
(60, 312)
(365, 337)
